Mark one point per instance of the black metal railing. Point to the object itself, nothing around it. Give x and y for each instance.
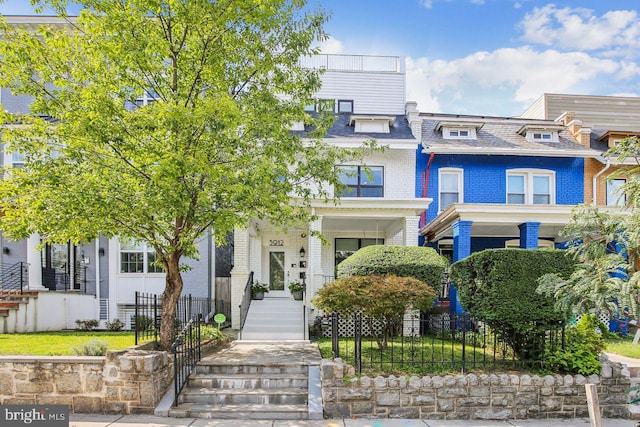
(246, 301)
(61, 281)
(146, 317)
(305, 327)
(148, 313)
(422, 344)
(14, 277)
(186, 353)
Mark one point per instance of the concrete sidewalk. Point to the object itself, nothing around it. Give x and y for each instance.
(78, 420)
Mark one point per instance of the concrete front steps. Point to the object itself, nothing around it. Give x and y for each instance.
(11, 300)
(274, 319)
(253, 382)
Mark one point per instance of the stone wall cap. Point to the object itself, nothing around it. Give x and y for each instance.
(51, 359)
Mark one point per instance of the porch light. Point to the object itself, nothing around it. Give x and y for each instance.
(302, 252)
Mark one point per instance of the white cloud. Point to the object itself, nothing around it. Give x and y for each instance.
(511, 75)
(331, 46)
(427, 4)
(579, 28)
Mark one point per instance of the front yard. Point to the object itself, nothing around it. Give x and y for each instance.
(60, 343)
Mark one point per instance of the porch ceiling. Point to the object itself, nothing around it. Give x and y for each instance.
(498, 220)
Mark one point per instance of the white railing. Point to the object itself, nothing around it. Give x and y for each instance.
(388, 64)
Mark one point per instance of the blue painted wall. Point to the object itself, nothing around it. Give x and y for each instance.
(485, 176)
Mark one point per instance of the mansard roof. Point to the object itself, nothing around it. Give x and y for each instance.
(499, 136)
(343, 128)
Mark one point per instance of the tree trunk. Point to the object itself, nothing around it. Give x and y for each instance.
(170, 297)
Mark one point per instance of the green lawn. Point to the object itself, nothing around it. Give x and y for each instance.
(623, 346)
(425, 355)
(60, 343)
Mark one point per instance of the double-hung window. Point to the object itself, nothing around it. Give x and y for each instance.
(450, 187)
(17, 160)
(615, 197)
(362, 181)
(530, 186)
(137, 257)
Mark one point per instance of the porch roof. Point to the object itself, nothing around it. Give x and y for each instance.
(498, 220)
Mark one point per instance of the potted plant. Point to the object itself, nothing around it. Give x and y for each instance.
(258, 289)
(296, 289)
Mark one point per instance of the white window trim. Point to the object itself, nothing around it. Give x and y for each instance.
(528, 184)
(145, 260)
(460, 173)
(542, 244)
(553, 135)
(471, 132)
(617, 199)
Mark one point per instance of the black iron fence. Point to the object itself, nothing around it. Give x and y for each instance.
(14, 277)
(148, 313)
(186, 353)
(422, 344)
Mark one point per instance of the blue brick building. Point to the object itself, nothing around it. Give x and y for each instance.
(495, 183)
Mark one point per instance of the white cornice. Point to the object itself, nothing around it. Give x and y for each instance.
(383, 206)
(357, 142)
(552, 152)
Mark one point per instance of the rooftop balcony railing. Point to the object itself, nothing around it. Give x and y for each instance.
(371, 63)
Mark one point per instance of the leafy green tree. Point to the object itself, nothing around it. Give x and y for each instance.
(210, 152)
(376, 297)
(606, 245)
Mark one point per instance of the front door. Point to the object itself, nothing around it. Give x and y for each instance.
(276, 274)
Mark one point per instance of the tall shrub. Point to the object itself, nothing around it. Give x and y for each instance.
(498, 286)
(422, 263)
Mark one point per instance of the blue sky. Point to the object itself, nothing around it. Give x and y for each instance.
(488, 57)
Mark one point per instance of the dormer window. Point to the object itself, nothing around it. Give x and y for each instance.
(541, 133)
(458, 130)
(613, 138)
(458, 133)
(371, 124)
(542, 136)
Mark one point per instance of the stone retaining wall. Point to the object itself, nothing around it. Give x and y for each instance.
(471, 396)
(122, 382)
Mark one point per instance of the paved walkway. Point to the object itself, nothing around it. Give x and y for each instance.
(150, 421)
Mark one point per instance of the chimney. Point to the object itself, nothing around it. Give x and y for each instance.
(413, 117)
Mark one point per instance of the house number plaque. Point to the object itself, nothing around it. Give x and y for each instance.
(276, 242)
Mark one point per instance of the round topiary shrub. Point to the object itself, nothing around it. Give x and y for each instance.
(419, 262)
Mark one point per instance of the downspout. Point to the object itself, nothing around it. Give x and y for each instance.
(425, 185)
(595, 179)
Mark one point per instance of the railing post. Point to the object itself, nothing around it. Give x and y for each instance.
(135, 318)
(21, 278)
(155, 317)
(357, 341)
(335, 343)
(464, 340)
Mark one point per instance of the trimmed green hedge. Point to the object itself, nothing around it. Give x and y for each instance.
(420, 262)
(498, 286)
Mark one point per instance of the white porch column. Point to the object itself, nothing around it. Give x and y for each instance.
(34, 259)
(239, 273)
(315, 277)
(411, 230)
